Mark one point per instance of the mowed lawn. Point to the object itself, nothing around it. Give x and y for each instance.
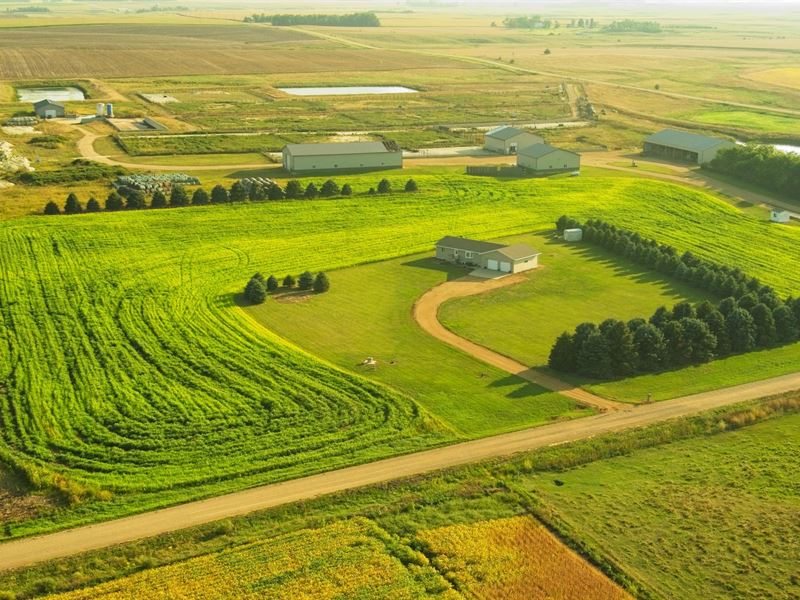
(574, 283)
(367, 313)
(742, 119)
(709, 517)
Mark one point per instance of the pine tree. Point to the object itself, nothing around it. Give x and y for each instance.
(593, 358)
(311, 191)
(289, 281)
(650, 347)
(716, 325)
(347, 190)
(200, 197)
(51, 208)
(219, 195)
(306, 280)
(272, 283)
(92, 205)
(178, 196)
(741, 330)
(622, 351)
(329, 188)
(411, 186)
(678, 350)
(786, 325)
(72, 206)
(135, 200)
(766, 334)
(321, 283)
(159, 200)
(114, 202)
(562, 354)
(294, 189)
(255, 291)
(699, 338)
(238, 192)
(384, 186)
(275, 192)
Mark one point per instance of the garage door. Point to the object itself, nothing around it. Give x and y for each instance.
(492, 264)
(505, 267)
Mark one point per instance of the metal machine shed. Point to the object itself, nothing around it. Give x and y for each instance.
(332, 156)
(683, 146)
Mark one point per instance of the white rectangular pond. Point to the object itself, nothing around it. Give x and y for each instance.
(348, 90)
(56, 94)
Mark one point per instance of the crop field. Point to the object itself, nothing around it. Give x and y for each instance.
(786, 76)
(348, 559)
(138, 340)
(153, 49)
(765, 123)
(524, 320)
(514, 558)
(710, 517)
(153, 145)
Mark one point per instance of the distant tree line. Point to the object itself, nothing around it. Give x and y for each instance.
(630, 26)
(751, 317)
(760, 164)
(537, 22)
(361, 19)
(257, 288)
(78, 170)
(126, 198)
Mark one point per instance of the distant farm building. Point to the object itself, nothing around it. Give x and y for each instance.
(508, 140)
(683, 146)
(778, 215)
(342, 156)
(487, 255)
(543, 158)
(47, 109)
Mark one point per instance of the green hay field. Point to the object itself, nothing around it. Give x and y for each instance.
(712, 517)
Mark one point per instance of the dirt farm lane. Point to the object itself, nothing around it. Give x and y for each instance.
(426, 314)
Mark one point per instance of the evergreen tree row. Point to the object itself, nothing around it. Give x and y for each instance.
(257, 288)
(718, 279)
(687, 334)
(125, 198)
(362, 19)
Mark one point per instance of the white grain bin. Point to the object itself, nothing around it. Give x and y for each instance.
(573, 235)
(780, 216)
(101, 109)
(110, 110)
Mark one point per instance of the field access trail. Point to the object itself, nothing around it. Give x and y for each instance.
(426, 314)
(29, 551)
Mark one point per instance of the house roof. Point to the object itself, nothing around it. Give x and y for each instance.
(466, 244)
(47, 103)
(506, 132)
(539, 150)
(338, 148)
(683, 140)
(518, 251)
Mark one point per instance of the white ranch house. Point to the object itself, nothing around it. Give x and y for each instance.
(515, 258)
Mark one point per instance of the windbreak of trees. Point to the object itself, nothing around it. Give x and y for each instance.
(258, 288)
(629, 26)
(362, 19)
(125, 198)
(751, 318)
(760, 164)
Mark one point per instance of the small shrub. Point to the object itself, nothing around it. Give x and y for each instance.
(289, 281)
(347, 190)
(51, 208)
(384, 186)
(411, 186)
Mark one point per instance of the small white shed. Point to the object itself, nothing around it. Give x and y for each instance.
(780, 216)
(573, 235)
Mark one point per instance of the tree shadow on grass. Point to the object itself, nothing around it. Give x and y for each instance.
(434, 264)
(520, 387)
